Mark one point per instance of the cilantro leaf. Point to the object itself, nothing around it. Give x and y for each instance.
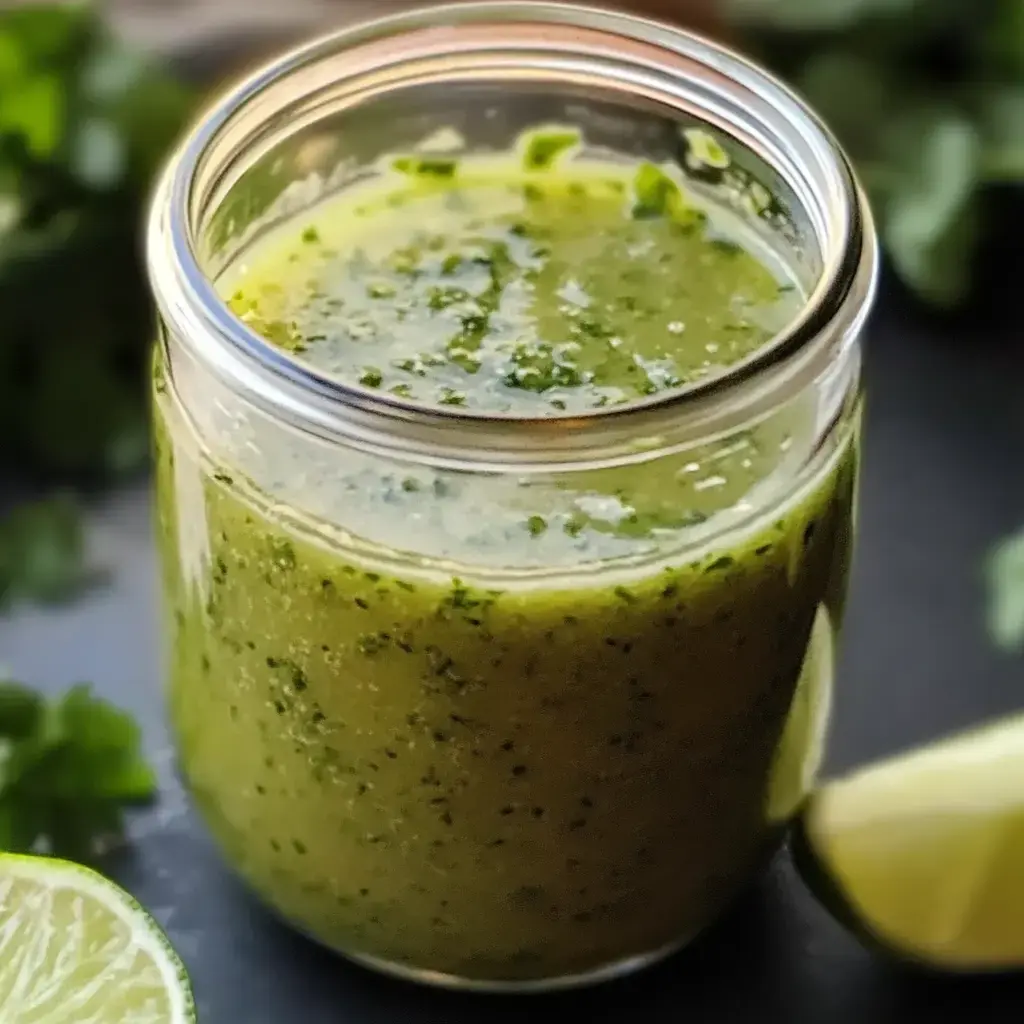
(655, 193)
(1000, 40)
(34, 110)
(926, 97)
(832, 76)
(425, 166)
(20, 711)
(84, 123)
(48, 32)
(543, 148)
(68, 770)
(42, 552)
(929, 217)
(1003, 131)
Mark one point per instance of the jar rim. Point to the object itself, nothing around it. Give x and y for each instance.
(729, 84)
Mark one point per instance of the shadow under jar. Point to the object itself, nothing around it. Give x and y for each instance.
(513, 690)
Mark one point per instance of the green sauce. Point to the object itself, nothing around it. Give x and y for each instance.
(525, 294)
(429, 741)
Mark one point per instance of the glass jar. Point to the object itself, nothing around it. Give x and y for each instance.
(557, 758)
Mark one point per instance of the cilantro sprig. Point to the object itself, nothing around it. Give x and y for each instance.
(84, 123)
(928, 98)
(69, 768)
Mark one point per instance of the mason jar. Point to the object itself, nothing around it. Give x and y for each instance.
(487, 700)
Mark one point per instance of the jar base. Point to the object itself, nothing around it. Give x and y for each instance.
(457, 983)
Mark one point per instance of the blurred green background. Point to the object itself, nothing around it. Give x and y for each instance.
(927, 96)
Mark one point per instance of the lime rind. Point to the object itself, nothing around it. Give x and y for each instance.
(50, 875)
(828, 892)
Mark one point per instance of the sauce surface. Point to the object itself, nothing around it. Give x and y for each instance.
(503, 729)
(531, 294)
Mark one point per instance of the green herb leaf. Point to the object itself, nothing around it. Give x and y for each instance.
(102, 758)
(1005, 571)
(930, 217)
(1003, 132)
(425, 166)
(1000, 38)
(854, 96)
(49, 32)
(19, 826)
(42, 552)
(20, 711)
(68, 769)
(948, 73)
(84, 124)
(655, 193)
(543, 148)
(33, 111)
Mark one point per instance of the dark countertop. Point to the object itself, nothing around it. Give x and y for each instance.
(942, 481)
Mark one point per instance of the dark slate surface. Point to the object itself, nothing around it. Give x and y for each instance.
(942, 481)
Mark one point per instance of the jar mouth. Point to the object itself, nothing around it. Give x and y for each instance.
(787, 173)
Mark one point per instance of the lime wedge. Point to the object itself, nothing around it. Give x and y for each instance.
(924, 854)
(801, 749)
(76, 949)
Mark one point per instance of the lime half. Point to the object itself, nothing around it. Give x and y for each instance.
(924, 854)
(76, 949)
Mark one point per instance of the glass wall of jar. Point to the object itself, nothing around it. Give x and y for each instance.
(481, 698)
